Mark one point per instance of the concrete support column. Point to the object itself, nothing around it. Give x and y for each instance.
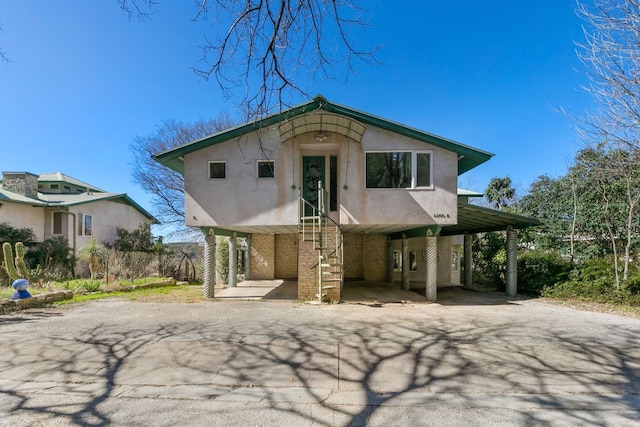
(209, 265)
(247, 259)
(233, 261)
(512, 262)
(389, 260)
(405, 263)
(468, 257)
(431, 263)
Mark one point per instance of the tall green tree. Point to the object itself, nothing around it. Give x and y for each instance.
(500, 192)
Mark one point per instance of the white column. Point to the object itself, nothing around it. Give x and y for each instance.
(512, 262)
(209, 265)
(233, 261)
(431, 263)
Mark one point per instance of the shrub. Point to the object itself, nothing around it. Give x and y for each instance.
(538, 269)
(222, 261)
(594, 280)
(89, 285)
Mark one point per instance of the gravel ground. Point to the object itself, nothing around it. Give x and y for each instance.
(470, 359)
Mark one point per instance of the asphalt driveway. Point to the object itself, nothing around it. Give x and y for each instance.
(471, 359)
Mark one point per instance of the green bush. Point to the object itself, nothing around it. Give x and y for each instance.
(89, 285)
(222, 262)
(594, 280)
(538, 269)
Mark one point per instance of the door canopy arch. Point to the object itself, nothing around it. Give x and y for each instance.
(321, 123)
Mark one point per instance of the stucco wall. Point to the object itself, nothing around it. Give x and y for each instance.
(382, 206)
(19, 215)
(243, 199)
(107, 215)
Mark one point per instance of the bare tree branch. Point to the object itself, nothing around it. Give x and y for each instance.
(138, 9)
(164, 184)
(271, 46)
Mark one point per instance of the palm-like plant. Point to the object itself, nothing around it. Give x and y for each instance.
(93, 252)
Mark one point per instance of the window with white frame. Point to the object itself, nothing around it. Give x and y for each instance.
(85, 224)
(399, 169)
(266, 169)
(217, 170)
(56, 228)
(397, 260)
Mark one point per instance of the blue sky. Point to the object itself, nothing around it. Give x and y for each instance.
(83, 81)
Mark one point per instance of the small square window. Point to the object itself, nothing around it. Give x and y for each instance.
(266, 169)
(217, 170)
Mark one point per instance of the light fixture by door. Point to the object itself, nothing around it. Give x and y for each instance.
(320, 136)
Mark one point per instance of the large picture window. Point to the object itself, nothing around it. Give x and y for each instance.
(398, 169)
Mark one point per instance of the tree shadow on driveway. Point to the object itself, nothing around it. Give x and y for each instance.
(348, 365)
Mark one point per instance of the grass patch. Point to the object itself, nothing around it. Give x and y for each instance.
(188, 294)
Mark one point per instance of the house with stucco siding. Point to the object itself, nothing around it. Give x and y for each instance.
(57, 205)
(323, 194)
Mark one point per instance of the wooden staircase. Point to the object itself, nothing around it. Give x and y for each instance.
(325, 235)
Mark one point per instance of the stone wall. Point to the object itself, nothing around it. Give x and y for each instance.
(308, 269)
(352, 256)
(307, 274)
(262, 256)
(24, 183)
(374, 257)
(286, 256)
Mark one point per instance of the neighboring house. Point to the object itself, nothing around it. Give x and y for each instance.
(324, 193)
(56, 205)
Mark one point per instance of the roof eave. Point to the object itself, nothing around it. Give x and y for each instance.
(468, 157)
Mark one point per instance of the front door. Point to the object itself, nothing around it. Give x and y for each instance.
(312, 172)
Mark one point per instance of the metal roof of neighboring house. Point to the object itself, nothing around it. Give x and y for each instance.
(10, 196)
(68, 200)
(469, 193)
(468, 157)
(60, 177)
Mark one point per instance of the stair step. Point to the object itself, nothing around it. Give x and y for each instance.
(324, 288)
(331, 280)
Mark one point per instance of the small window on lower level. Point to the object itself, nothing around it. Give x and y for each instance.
(397, 260)
(217, 170)
(413, 261)
(266, 169)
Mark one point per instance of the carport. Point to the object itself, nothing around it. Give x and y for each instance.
(471, 220)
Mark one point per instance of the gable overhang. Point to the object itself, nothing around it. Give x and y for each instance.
(71, 200)
(468, 157)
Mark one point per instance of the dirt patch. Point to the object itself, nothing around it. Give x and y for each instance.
(596, 307)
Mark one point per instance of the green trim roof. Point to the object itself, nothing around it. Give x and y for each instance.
(468, 157)
(68, 200)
